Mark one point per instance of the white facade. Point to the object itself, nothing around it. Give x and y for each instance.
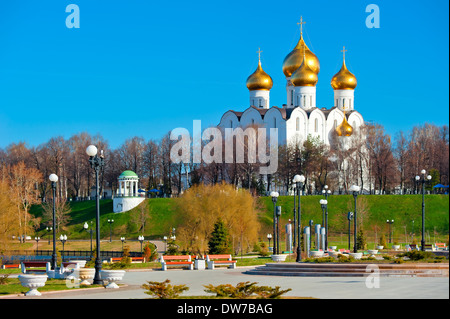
(260, 98)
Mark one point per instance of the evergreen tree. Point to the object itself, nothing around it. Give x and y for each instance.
(219, 241)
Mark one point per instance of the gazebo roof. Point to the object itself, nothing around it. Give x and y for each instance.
(128, 174)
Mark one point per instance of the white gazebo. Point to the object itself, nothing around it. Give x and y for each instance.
(128, 195)
(128, 184)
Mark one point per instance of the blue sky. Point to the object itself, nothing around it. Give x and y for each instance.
(143, 68)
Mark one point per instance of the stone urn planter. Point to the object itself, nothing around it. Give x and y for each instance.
(395, 247)
(356, 255)
(111, 276)
(278, 258)
(379, 247)
(372, 252)
(316, 253)
(33, 282)
(86, 274)
(332, 247)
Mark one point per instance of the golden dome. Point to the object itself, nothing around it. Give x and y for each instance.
(304, 76)
(344, 129)
(344, 79)
(294, 59)
(259, 80)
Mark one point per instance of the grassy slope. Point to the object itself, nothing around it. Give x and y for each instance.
(402, 208)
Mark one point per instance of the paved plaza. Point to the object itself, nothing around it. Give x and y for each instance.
(316, 287)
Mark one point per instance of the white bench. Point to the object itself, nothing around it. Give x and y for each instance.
(177, 261)
(220, 260)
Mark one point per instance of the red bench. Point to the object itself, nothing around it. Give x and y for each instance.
(11, 266)
(220, 260)
(35, 266)
(177, 261)
(133, 259)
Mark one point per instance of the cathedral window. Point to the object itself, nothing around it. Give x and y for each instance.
(335, 124)
(316, 125)
(297, 124)
(304, 100)
(292, 97)
(260, 104)
(310, 100)
(274, 122)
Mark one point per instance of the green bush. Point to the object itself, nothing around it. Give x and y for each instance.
(417, 255)
(245, 290)
(163, 290)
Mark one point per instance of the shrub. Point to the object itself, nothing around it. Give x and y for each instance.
(382, 241)
(417, 255)
(150, 252)
(4, 279)
(245, 290)
(163, 290)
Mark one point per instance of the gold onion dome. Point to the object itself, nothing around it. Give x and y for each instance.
(344, 79)
(259, 80)
(304, 76)
(344, 129)
(294, 59)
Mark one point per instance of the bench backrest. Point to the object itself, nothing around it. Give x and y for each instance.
(35, 263)
(209, 257)
(440, 245)
(181, 257)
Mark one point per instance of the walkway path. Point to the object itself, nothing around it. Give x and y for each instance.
(317, 287)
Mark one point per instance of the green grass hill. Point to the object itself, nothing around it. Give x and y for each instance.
(373, 209)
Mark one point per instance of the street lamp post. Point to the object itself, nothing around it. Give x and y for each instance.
(355, 190)
(97, 163)
(299, 180)
(91, 231)
(349, 217)
(54, 178)
(269, 237)
(390, 222)
(323, 204)
(278, 228)
(294, 186)
(423, 180)
(110, 221)
(141, 240)
(48, 229)
(274, 196)
(122, 239)
(63, 239)
(165, 243)
(37, 244)
(326, 192)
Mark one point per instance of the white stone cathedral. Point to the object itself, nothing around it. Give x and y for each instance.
(300, 116)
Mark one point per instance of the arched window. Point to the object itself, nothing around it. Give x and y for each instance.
(298, 100)
(231, 123)
(335, 124)
(274, 122)
(310, 100)
(253, 102)
(316, 125)
(260, 102)
(292, 97)
(253, 121)
(343, 103)
(304, 100)
(349, 103)
(297, 124)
